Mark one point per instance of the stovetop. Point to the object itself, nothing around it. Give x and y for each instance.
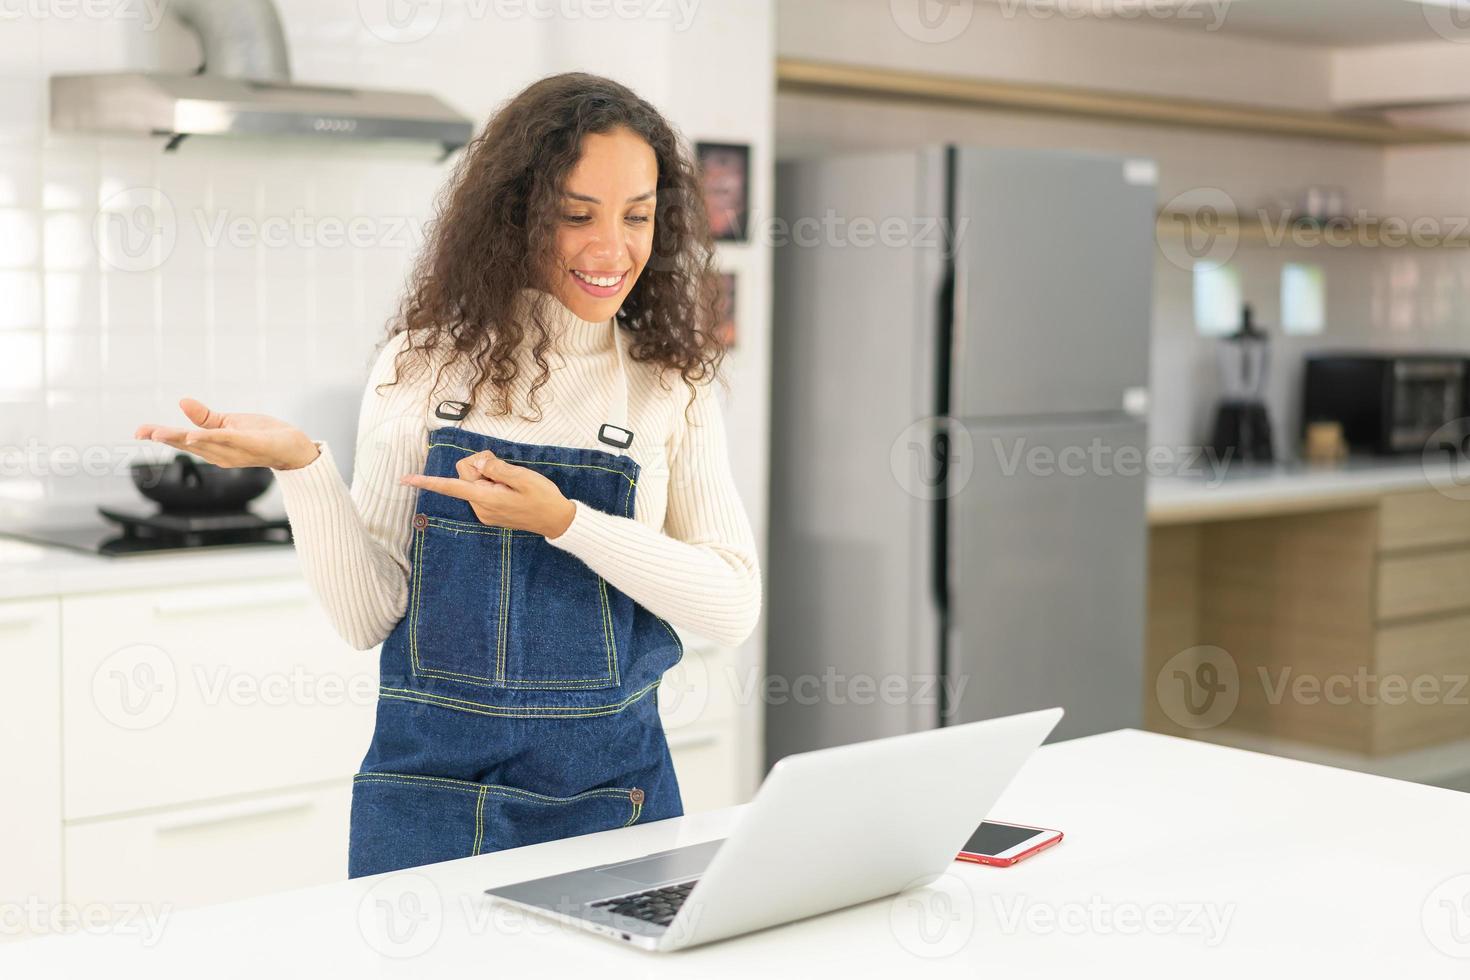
(122, 531)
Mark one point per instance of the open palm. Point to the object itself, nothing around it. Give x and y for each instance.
(235, 438)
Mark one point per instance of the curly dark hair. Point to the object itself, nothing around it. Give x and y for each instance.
(494, 234)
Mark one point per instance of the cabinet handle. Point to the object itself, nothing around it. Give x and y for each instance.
(692, 741)
(231, 812)
(224, 600)
(10, 619)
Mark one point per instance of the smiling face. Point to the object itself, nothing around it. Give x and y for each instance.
(605, 232)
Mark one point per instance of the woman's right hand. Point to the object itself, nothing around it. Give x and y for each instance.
(235, 438)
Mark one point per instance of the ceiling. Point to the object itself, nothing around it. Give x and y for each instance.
(1326, 23)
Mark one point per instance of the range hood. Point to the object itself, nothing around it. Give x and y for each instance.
(244, 88)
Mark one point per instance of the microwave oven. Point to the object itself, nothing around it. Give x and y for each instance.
(1389, 402)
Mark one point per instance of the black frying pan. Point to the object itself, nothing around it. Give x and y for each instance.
(185, 485)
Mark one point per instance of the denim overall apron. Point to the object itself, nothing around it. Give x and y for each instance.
(518, 695)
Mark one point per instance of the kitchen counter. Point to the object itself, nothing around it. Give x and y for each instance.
(1259, 489)
(30, 570)
(1180, 857)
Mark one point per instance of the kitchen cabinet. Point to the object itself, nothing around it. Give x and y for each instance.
(30, 819)
(208, 738)
(186, 856)
(177, 695)
(1345, 627)
(193, 741)
(699, 706)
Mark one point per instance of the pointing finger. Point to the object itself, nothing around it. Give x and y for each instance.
(463, 489)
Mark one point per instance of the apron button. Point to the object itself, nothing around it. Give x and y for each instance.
(635, 796)
(420, 521)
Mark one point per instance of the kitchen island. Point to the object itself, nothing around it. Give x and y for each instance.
(1327, 606)
(1180, 858)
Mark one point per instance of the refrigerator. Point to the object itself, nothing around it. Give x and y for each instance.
(959, 368)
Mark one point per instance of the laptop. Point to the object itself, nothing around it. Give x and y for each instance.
(827, 829)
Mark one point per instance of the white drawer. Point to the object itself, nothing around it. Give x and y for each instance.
(30, 700)
(182, 695)
(188, 856)
(705, 760)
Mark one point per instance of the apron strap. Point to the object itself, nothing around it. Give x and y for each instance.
(614, 432)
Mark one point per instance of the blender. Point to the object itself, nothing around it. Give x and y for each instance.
(1242, 425)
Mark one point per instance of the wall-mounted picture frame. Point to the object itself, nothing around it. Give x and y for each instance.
(725, 174)
(725, 326)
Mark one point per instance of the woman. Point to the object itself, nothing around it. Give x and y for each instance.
(521, 566)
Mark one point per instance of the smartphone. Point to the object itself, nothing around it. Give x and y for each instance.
(1003, 844)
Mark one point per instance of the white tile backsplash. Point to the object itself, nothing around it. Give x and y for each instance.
(22, 370)
(73, 301)
(73, 359)
(20, 238)
(21, 308)
(130, 301)
(24, 99)
(70, 166)
(70, 246)
(20, 177)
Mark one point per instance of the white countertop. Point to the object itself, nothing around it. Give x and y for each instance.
(1252, 489)
(29, 570)
(1181, 858)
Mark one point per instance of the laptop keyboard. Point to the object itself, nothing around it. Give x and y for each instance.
(656, 905)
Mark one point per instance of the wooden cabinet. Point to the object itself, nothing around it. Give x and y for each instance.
(1347, 628)
(1422, 519)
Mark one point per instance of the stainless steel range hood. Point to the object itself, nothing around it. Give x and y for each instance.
(244, 88)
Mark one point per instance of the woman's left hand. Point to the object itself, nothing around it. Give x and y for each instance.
(503, 494)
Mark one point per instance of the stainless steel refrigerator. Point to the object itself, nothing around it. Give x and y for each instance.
(960, 357)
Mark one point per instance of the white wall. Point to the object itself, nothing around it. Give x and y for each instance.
(1032, 42)
(1402, 298)
(1404, 73)
(88, 351)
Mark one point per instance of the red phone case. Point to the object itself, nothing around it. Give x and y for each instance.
(996, 862)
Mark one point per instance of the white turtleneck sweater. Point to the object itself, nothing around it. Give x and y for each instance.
(687, 554)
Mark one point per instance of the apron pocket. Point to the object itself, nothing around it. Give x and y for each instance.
(565, 625)
(515, 817)
(403, 820)
(459, 599)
